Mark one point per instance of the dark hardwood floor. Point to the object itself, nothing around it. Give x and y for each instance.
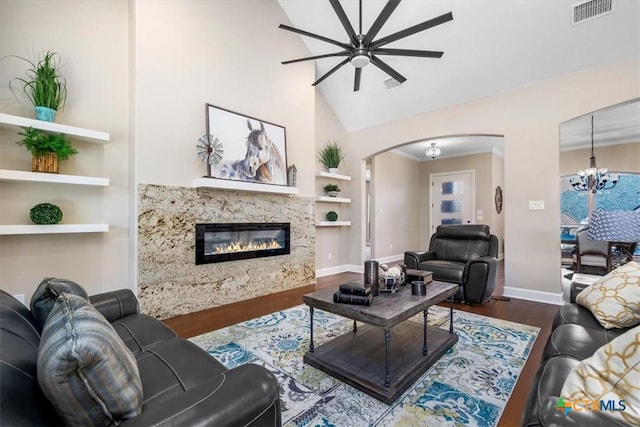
(520, 311)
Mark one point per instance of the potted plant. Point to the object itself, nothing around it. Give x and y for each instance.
(331, 156)
(332, 190)
(45, 87)
(46, 149)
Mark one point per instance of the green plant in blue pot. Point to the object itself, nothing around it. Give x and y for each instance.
(44, 85)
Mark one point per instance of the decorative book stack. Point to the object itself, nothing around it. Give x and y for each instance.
(353, 293)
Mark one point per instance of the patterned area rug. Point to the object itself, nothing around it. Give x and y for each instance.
(468, 386)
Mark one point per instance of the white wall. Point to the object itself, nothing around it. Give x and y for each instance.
(529, 119)
(226, 53)
(92, 40)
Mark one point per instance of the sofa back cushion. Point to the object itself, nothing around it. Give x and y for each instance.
(614, 299)
(21, 400)
(612, 374)
(84, 368)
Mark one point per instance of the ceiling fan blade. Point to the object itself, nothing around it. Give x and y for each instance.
(409, 52)
(345, 22)
(356, 81)
(331, 71)
(412, 30)
(387, 69)
(315, 36)
(327, 55)
(380, 20)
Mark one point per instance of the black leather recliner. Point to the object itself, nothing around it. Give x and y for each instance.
(182, 384)
(463, 254)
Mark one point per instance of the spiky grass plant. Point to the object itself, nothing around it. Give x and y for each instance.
(331, 155)
(43, 85)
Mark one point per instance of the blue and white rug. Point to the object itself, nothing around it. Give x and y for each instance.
(468, 386)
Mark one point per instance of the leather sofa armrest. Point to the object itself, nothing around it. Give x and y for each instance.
(115, 305)
(412, 259)
(576, 288)
(550, 416)
(248, 395)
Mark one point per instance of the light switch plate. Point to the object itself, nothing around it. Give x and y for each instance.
(536, 205)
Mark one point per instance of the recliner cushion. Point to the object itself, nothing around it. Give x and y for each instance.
(460, 250)
(443, 270)
(84, 368)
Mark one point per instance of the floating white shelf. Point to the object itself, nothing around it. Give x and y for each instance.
(14, 175)
(71, 131)
(333, 224)
(227, 184)
(333, 199)
(333, 176)
(6, 230)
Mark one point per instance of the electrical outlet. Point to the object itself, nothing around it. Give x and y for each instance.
(390, 247)
(329, 255)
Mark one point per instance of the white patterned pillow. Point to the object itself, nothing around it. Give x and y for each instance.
(614, 300)
(84, 368)
(612, 374)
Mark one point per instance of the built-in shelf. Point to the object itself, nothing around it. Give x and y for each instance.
(226, 184)
(334, 176)
(333, 224)
(333, 199)
(6, 230)
(14, 175)
(87, 135)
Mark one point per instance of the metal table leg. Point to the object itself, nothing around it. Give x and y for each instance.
(424, 345)
(355, 326)
(387, 373)
(311, 329)
(451, 315)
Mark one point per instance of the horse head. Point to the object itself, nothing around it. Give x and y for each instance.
(259, 148)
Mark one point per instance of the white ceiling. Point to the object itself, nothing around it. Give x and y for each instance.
(490, 47)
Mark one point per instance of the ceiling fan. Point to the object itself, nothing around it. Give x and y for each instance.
(362, 49)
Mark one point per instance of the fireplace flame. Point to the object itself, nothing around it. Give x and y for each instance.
(231, 247)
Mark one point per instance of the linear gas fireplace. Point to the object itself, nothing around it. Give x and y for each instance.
(234, 241)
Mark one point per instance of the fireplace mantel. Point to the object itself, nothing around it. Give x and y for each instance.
(228, 184)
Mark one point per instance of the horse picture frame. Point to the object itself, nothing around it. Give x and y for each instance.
(252, 150)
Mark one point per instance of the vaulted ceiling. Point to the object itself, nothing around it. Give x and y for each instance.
(490, 47)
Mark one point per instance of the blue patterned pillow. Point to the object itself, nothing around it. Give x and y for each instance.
(46, 293)
(84, 368)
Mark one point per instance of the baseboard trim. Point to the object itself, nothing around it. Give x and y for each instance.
(531, 295)
(352, 268)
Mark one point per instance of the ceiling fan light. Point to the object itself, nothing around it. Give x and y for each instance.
(360, 60)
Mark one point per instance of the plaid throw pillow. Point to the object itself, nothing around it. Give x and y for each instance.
(84, 368)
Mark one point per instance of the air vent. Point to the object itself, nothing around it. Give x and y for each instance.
(588, 10)
(391, 83)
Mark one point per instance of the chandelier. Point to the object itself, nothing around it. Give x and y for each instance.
(593, 178)
(433, 151)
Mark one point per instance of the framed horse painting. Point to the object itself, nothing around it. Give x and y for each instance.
(246, 148)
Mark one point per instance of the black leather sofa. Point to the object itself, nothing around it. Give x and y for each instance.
(463, 254)
(575, 336)
(182, 384)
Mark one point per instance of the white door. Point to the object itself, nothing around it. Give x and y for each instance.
(452, 198)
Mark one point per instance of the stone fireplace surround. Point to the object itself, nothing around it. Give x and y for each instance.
(171, 284)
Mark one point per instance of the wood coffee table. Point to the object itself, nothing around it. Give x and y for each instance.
(368, 358)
